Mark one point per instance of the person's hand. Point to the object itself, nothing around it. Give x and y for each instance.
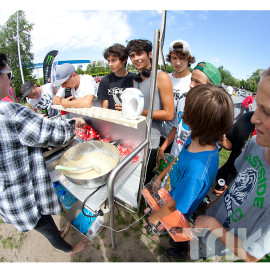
(205, 222)
(219, 192)
(79, 123)
(221, 140)
(118, 107)
(160, 156)
(66, 101)
(45, 116)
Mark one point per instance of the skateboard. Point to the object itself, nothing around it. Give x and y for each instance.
(175, 223)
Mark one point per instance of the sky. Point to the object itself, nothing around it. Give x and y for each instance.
(235, 36)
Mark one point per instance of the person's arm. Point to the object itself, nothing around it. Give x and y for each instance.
(57, 100)
(234, 243)
(37, 131)
(225, 143)
(102, 92)
(164, 85)
(84, 102)
(105, 104)
(164, 211)
(35, 110)
(169, 139)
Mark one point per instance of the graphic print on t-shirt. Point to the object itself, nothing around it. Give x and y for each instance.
(178, 94)
(116, 92)
(183, 134)
(244, 183)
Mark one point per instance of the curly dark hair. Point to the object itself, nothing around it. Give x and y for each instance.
(116, 50)
(3, 60)
(139, 46)
(180, 53)
(208, 112)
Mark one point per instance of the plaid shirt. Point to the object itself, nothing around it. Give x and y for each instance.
(26, 191)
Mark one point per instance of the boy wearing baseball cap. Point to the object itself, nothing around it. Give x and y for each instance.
(180, 58)
(40, 97)
(83, 88)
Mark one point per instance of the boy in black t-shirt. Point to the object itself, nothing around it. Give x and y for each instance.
(111, 86)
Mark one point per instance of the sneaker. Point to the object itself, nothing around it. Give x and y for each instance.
(181, 253)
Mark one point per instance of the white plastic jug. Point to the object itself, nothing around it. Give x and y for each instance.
(132, 103)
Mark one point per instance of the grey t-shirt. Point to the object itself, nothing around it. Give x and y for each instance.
(144, 87)
(244, 208)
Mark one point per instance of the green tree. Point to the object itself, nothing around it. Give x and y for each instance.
(8, 45)
(256, 75)
(79, 71)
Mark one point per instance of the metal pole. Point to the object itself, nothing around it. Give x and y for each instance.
(110, 185)
(150, 112)
(18, 44)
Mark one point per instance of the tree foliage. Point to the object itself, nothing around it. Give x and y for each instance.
(8, 45)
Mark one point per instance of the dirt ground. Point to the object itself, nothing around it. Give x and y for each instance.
(131, 244)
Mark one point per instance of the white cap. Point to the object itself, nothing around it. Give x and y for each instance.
(186, 46)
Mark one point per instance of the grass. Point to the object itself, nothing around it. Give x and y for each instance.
(223, 157)
(12, 242)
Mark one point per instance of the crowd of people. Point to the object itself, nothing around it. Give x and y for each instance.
(193, 116)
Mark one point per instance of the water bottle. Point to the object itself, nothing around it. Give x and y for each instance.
(67, 199)
(220, 184)
(162, 164)
(58, 188)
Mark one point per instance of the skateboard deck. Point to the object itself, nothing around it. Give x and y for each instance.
(176, 224)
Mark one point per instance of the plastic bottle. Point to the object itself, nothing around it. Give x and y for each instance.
(163, 165)
(67, 199)
(58, 188)
(220, 184)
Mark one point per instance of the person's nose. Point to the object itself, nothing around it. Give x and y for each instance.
(255, 119)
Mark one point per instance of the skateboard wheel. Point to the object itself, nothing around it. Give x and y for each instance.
(161, 227)
(147, 210)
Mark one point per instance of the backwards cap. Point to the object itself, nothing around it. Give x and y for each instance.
(26, 88)
(185, 44)
(210, 71)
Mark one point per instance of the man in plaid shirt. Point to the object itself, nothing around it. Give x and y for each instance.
(27, 196)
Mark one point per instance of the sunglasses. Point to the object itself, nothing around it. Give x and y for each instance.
(8, 72)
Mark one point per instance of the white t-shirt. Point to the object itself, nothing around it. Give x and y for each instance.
(229, 90)
(45, 100)
(180, 86)
(87, 86)
(183, 131)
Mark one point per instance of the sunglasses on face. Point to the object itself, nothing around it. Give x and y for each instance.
(8, 72)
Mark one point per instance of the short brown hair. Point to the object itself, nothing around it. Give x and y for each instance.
(208, 112)
(116, 50)
(180, 53)
(265, 74)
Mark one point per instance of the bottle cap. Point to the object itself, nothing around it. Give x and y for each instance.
(221, 182)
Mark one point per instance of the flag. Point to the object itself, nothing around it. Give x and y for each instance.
(47, 65)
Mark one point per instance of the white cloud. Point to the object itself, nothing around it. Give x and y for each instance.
(75, 30)
(215, 59)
